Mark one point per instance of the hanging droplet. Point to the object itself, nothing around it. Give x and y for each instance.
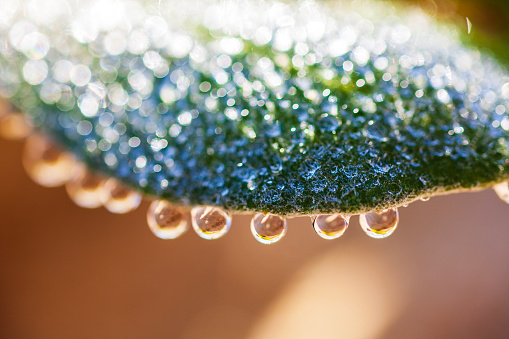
(46, 163)
(502, 191)
(330, 226)
(268, 228)
(425, 198)
(379, 225)
(210, 222)
(165, 220)
(85, 188)
(119, 199)
(14, 127)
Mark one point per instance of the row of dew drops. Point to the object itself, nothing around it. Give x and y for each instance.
(49, 166)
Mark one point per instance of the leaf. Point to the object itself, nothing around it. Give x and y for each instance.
(306, 109)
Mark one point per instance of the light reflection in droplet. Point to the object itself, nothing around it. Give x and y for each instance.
(210, 222)
(165, 220)
(330, 226)
(268, 228)
(379, 225)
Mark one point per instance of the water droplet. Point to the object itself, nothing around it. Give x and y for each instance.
(46, 163)
(35, 45)
(328, 124)
(425, 198)
(330, 226)
(85, 189)
(268, 228)
(165, 220)
(119, 199)
(210, 222)
(379, 225)
(308, 168)
(35, 71)
(502, 191)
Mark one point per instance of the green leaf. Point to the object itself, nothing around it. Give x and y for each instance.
(303, 111)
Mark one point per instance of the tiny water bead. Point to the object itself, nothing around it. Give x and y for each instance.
(268, 228)
(210, 222)
(119, 199)
(165, 220)
(46, 163)
(330, 226)
(379, 225)
(502, 191)
(86, 188)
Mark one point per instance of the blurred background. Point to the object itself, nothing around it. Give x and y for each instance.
(68, 272)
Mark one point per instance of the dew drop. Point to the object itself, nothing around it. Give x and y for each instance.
(35, 71)
(165, 220)
(268, 228)
(330, 226)
(308, 168)
(119, 199)
(379, 225)
(35, 45)
(46, 163)
(502, 191)
(210, 222)
(85, 188)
